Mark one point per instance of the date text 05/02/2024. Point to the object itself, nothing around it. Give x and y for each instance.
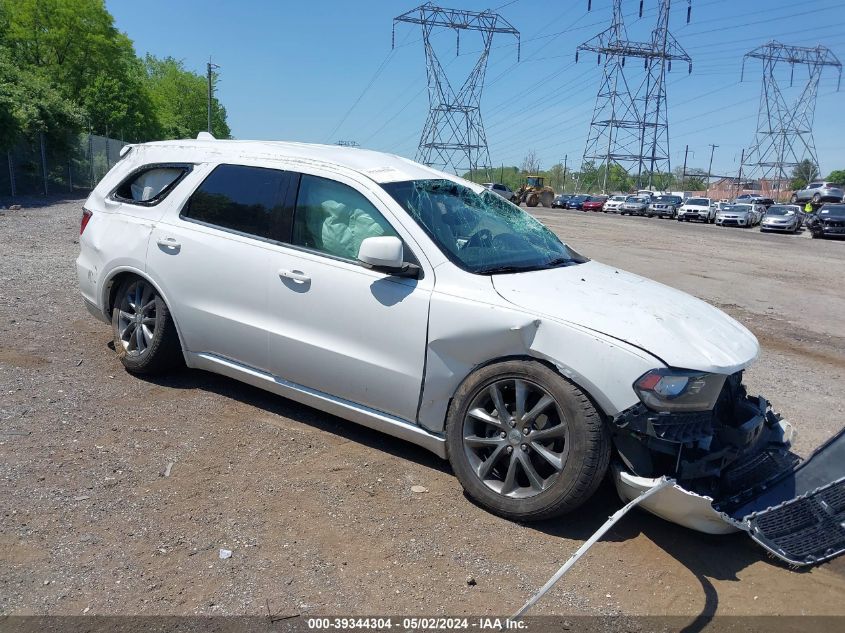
(415, 624)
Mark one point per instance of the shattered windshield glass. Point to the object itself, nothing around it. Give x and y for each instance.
(481, 233)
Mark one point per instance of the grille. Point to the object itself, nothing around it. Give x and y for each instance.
(761, 468)
(806, 529)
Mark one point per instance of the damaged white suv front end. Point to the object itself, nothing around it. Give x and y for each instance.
(692, 419)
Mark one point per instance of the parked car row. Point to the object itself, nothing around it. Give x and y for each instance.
(746, 211)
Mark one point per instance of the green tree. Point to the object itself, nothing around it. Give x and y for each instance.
(180, 100)
(29, 105)
(803, 173)
(837, 176)
(76, 48)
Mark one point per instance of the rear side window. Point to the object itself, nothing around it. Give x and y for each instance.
(249, 200)
(151, 184)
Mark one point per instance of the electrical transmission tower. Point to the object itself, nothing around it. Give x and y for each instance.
(630, 124)
(453, 135)
(785, 130)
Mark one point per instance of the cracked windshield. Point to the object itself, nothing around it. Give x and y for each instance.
(481, 233)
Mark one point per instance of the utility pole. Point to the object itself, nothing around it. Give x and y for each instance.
(684, 172)
(564, 172)
(710, 166)
(630, 125)
(209, 68)
(454, 132)
(784, 135)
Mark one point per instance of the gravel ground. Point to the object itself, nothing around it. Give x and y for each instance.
(119, 492)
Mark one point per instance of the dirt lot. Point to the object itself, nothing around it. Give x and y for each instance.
(318, 512)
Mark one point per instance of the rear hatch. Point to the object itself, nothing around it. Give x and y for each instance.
(799, 514)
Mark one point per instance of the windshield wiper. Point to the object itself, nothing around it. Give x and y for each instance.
(493, 270)
(561, 261)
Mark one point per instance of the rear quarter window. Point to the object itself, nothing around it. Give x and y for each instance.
(150, 184)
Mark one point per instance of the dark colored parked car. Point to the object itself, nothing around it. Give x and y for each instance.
(576, 202)
(664, 206)
(560, 200)
(594, 203)
(828, 221)
(766, 202)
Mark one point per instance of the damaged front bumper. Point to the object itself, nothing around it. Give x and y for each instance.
(733, 470)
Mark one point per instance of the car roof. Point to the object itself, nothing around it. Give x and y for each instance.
(378, 166)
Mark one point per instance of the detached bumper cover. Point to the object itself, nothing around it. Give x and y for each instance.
(798, 515)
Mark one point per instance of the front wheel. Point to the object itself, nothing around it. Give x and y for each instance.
(524, 442)
(145, 337)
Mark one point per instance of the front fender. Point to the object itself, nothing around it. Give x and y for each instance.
(464, 335)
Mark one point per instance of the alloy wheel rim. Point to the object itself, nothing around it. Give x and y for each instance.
(137, 319)
(515, 438)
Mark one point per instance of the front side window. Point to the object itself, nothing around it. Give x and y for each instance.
(333, 218)
(245, 199)
(481, 233)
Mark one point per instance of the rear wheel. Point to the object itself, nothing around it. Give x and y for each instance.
(145, 337)
(794, 199)
(546, 199)
(524, 442)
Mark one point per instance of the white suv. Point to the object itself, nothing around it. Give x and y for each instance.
(614, 204)
(425, 306)
(701, 209)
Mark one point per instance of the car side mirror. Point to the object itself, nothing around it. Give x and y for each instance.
(386, 254)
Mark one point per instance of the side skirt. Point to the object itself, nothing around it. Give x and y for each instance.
(357, 413)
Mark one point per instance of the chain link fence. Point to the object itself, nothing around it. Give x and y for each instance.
(41, 166)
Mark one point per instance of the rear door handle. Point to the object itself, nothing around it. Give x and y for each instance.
(295, 275)
(168, 242)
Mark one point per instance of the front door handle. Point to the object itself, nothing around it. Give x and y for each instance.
(168, 242)
(295, 275)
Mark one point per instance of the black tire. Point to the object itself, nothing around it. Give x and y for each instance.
(816, 198)
(815, 235)
(162, 351)
(794, 199)
(587, 442)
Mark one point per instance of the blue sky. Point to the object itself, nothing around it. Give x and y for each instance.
(321, 71)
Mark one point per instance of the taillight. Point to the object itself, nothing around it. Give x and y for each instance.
(86, 215)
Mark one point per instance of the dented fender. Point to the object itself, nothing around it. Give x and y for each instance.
(464, 336)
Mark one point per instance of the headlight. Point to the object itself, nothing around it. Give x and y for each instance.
(679, 389)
